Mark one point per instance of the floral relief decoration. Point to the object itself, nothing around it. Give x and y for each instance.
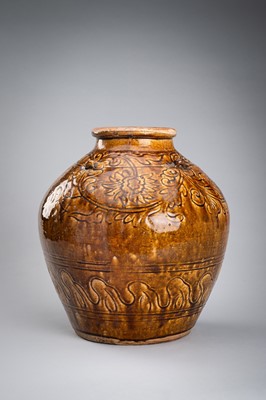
(123, 186)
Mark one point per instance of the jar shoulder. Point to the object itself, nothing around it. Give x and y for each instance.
(133, 181)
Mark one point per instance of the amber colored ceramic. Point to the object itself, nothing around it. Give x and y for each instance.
(134, 236)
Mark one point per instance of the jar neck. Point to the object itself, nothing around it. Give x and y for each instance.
(134, 138)
(135, 144)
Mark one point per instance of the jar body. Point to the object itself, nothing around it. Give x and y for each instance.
(134, 236)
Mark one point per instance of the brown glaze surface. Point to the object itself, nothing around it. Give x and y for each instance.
(134, 236)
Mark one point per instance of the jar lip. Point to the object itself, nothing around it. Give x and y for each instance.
(113, 132)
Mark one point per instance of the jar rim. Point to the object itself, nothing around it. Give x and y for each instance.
(113, 132)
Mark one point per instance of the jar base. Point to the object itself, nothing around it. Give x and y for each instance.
(110, 340)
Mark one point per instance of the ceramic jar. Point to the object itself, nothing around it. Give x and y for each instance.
(134, 236)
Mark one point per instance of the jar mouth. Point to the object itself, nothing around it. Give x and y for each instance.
(113, 132)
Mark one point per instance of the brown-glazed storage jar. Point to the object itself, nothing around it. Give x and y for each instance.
(134, 236)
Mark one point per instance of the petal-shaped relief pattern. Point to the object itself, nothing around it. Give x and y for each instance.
(138, 296)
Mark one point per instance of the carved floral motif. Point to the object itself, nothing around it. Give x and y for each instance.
(123, 186)
(131, 189)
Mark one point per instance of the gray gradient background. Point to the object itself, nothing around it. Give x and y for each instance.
(68, 66)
